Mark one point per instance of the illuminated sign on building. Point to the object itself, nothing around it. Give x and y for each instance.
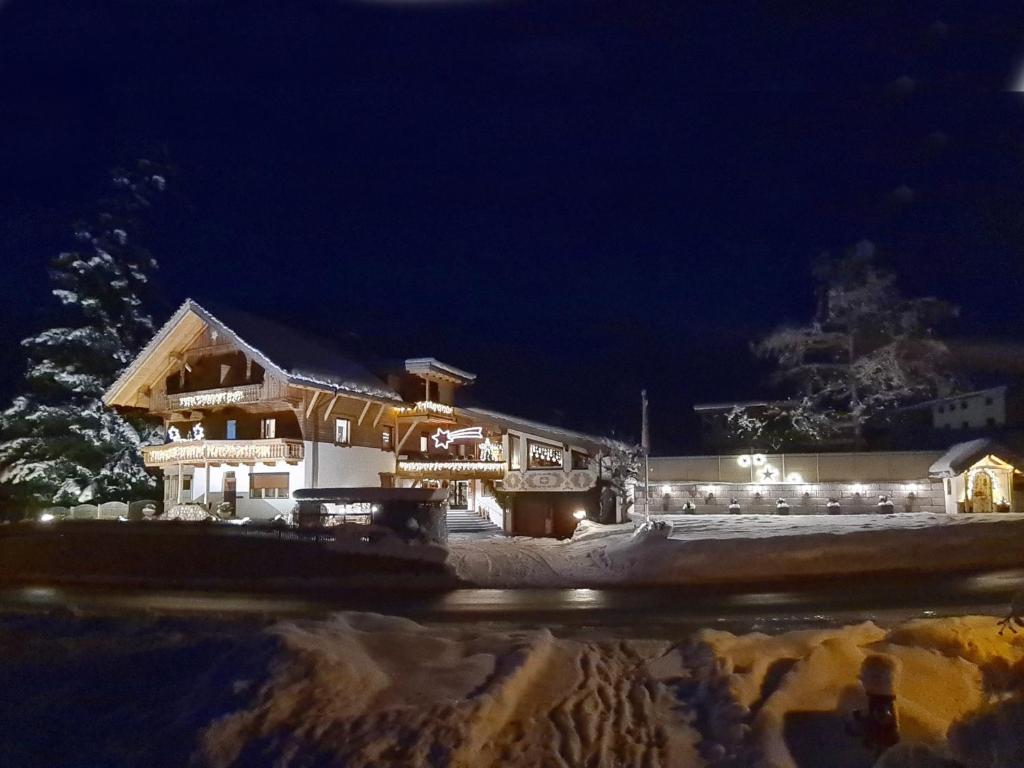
(427, 408)
(468, 468)
(220, 397)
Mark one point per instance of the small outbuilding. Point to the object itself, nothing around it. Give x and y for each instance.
(979, 476)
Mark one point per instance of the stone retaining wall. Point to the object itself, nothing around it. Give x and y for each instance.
(803, 499)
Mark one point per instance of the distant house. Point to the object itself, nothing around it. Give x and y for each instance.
(254, 412)
(995, 412)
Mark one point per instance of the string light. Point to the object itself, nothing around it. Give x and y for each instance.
(444, 437)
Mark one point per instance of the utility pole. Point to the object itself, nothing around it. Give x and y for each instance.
(645, 446)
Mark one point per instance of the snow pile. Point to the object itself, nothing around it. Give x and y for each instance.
(748, 548)
(957, 693)
(364, 690)
(369, 690)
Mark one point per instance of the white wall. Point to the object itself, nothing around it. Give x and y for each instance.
(257, 509)
(341, 467)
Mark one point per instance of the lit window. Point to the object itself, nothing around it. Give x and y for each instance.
(515, 457)
(387, 438)
(268, 485)
(543, 456)
(424, 445)
(268, 429)
(342, 431)
(231, 429)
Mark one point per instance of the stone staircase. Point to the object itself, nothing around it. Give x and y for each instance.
(462, 521)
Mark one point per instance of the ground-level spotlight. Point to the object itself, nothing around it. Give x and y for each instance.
(46, 517)
(580, 514)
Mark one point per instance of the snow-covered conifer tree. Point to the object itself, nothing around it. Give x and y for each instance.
(58, 443)
(868, 348)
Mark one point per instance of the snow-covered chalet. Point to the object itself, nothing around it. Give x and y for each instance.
(254, 411)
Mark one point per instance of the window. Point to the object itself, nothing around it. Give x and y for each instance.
(387, 438)
(268, 429)
(342, 431)
(963, 405)
(423, 443)
(268, 485)
(988, 401)
(543, 456)
(580, 460)
(186, 483)
(231, 430)
(515, 457)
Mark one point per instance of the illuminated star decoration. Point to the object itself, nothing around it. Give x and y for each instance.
(443, 437)
(768, 474)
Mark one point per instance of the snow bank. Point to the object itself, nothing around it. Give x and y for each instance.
(746, 548)
(369, 690)
(364, 690)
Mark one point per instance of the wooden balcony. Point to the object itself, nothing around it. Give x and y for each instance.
(200, 452)
(217, 398)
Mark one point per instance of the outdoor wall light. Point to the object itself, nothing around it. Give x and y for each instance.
(580, 514)
(666, 489)
(46, 517)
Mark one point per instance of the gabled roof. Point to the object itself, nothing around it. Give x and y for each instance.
(962, 456)
(430, 367)
(555, 434)
(296, 357)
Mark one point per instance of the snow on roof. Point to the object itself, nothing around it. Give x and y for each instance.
(557, 434)
(742, 404)
(299, 357)
(430, 365)
(991, 391)
(963, 456)
(302, 357)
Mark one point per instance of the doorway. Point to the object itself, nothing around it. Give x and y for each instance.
(230, 490)
(981, 495)
(458, 494)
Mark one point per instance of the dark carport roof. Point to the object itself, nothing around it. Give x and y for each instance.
(369, 494)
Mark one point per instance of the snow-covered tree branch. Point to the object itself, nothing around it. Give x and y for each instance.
(868, 349)
(58, 443)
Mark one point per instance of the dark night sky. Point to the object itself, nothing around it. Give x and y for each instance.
(572, 199)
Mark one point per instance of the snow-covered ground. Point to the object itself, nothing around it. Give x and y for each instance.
(744, 548)
(364, 690)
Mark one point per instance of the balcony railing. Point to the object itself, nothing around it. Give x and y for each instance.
(214, 398)
(222, 452)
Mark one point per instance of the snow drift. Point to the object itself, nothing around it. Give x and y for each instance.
(368, 690)
(707, 549)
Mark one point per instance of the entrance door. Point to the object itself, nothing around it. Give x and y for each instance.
(230, 490)
(981, 497)
(458, 494)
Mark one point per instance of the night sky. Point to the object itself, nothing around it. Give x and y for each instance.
(571, 199)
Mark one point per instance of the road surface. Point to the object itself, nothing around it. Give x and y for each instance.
(652, 610)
